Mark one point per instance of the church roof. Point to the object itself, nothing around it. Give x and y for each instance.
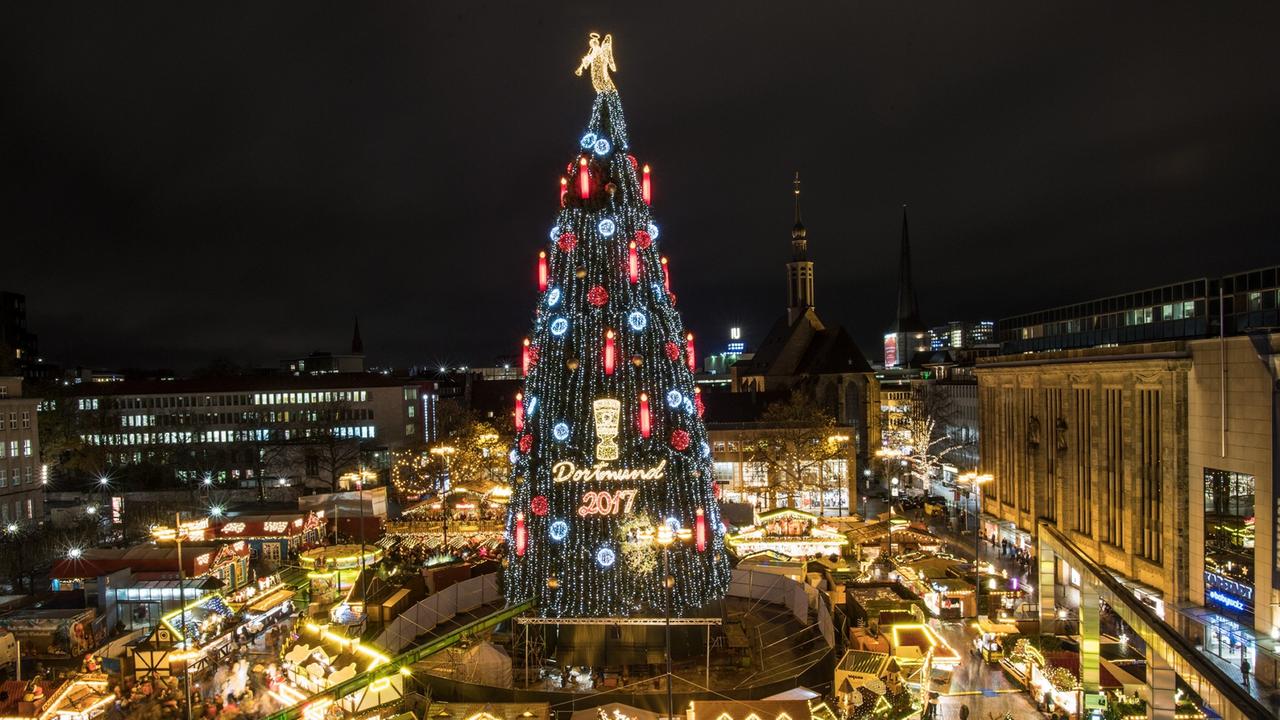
(908, 319)
(804, 347)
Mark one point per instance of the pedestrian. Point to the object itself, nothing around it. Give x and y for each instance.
(964, 712)
(1244, 671)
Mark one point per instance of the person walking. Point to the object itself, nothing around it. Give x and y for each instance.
(1244, 671)
(964, 712)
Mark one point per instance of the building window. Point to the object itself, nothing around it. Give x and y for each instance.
(1150, 490)
(1083, 441)
(26, 420)
(1113, 436)
(1229, 540)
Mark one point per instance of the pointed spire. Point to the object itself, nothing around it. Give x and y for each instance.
(800, 269)
(908, 307)
(357, 345)
(796, 184)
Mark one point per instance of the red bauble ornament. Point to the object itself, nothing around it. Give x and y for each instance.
(634, 163)
(533, 355)
(671, 297)
(539, 505)
(526, 444)
(567, 242)
(680, 440)
(598, 296)
(672, 350)
(643, 240)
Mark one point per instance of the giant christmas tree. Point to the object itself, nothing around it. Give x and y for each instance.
(610, 444)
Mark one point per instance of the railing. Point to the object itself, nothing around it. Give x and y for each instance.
(402, 661)
(1214, 686)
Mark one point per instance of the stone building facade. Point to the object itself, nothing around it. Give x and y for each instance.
(1140, 458)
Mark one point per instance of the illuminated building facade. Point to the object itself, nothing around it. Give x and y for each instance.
(1183, 310)
(1157, 459)
(962, 334)
(221, 427)
(21, 474)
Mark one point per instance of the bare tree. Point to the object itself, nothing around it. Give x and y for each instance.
(798, 439)
(924, 433)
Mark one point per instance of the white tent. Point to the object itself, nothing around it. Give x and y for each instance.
(483, 663)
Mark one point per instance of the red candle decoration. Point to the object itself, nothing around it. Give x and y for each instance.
(609, 354)
(700, 531)
(646, 189)
(633, 263)
(524, 358)
(689, 355)
(584, 179)
(564, 189)
(697, 401)
(522, 536)
(666, 275)
(519, 412)
(645, 427)
(542, 271)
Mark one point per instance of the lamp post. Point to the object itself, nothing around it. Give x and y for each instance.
(445, 452)
(665, 537)
(977, 480)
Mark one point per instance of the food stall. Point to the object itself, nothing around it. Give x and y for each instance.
(51, 631)
(333, 570)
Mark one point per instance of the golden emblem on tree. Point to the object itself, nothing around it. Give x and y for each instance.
(599, 59)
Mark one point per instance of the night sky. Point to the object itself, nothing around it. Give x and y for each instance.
(180, 181)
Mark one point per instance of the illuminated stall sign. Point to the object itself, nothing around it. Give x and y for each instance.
(568, 471)
(1226, 600)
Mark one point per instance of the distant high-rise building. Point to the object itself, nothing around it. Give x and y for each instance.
(961, 334)
(908, 335)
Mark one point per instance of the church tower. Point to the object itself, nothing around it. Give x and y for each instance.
(800, 269)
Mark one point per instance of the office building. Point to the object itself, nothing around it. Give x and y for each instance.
(234, 429)
(21, 474)
(1200, 308)
(960, 334)
(1155, 459)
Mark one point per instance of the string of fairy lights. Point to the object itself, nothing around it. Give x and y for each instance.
(609, 385)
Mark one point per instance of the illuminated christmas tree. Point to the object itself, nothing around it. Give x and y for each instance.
(610, 443)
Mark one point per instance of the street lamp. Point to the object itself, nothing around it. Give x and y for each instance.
(445, 452)
(977, 480)
(665, 537)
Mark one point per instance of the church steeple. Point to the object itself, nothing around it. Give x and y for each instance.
(908, 306)
(906, 336)
(800, 269)
(357, 345)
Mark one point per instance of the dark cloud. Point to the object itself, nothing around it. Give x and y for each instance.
(180, 181)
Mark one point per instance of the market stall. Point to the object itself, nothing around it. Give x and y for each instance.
(788, 532)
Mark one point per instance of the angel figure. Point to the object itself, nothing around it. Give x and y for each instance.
(600, 60)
